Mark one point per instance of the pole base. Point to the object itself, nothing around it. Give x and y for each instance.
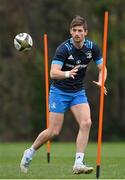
(97, 171)
(48, 157)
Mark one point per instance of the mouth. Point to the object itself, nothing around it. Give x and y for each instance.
(77, 38)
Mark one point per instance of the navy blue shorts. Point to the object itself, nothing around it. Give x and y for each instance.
(60, 101)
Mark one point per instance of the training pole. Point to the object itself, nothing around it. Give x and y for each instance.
(102, 96)
(47, 90)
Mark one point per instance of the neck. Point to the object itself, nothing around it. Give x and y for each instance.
(78, 45)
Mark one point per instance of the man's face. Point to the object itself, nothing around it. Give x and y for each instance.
(78, 33)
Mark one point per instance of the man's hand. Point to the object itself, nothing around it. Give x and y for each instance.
(99, 85)
(73, 72)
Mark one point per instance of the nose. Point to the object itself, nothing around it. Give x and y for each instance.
(77, 32)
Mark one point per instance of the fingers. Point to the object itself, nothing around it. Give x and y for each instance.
(72, 76)
(99, 85)
(73, 72)
(96, 83)
(105, 90)
(76, 67)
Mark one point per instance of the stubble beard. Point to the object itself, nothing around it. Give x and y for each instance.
(77, 42)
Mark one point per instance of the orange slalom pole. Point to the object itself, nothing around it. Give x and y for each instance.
(98, 162)
(47, 90)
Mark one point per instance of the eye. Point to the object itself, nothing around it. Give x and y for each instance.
(74, 30)
(80, 30)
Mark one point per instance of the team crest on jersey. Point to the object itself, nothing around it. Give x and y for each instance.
(88, 54)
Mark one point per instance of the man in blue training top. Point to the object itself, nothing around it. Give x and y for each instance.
(67, 91)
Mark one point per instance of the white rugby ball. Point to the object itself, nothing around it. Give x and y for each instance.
(23, 42)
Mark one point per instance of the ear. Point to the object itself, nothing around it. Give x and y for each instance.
(86, 32)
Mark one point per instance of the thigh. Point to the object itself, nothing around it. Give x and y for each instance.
(81, 112)
(58, 100)
(55, 120)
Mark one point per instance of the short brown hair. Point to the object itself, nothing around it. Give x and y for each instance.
(79, 21)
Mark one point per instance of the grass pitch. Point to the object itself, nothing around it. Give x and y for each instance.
(62, 159)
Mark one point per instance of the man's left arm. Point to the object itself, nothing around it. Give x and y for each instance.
(99, 82)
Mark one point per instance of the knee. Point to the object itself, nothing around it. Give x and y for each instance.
(54, 132)
(86, 124)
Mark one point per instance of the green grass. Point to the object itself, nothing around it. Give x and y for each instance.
(62, 159)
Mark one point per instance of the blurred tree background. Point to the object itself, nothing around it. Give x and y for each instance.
(22, 92)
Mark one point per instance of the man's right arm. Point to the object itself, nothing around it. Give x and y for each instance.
(57, 73)
(59, 58)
